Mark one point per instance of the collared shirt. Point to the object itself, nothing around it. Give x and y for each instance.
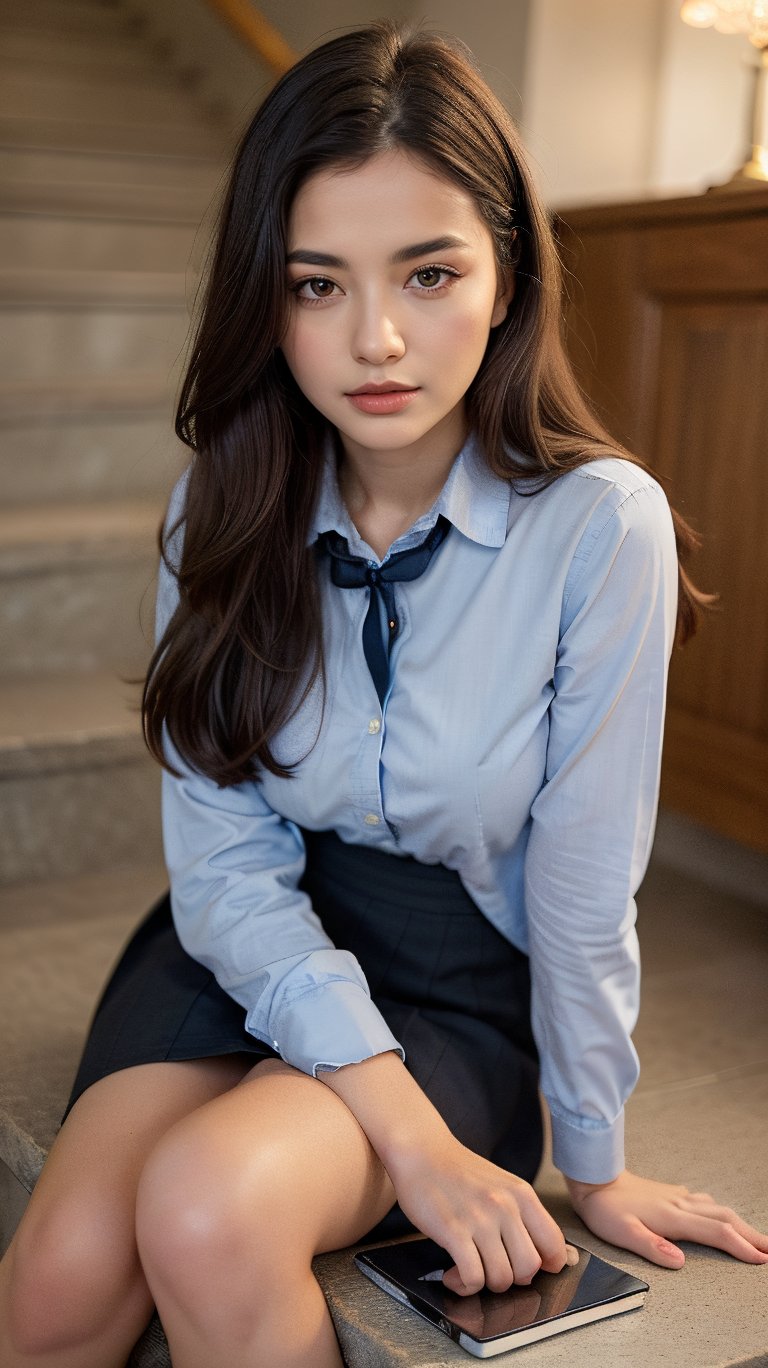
(519, 743)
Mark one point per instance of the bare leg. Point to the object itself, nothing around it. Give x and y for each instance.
(72, 1291)
(232, 1207)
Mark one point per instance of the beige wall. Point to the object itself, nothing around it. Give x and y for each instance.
(306, 23)
(497, 33)
(589, 97)
(704, 99)
(623, 101)
(616, 99)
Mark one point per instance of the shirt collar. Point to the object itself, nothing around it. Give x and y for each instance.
(474, 499)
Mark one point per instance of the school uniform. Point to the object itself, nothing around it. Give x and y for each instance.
(451, 873)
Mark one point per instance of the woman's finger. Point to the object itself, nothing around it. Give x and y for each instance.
(545, 1233)
(501, 1264)
(521, 1252)
(468, 1274)
(507, 1257)
(631, 1233)
(718, 1234)
(701, 1204)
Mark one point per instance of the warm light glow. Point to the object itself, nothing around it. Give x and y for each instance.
(698, 13)
(729, 16)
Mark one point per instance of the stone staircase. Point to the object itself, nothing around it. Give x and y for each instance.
(107, 167)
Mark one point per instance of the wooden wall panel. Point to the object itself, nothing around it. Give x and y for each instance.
(668, 331)
(711, 412)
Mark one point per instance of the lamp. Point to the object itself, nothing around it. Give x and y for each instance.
(751, 18)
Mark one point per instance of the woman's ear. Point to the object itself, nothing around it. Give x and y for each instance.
(504, 296)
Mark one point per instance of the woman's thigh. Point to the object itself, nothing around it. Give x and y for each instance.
(328, 1160)
(75, 1247)
(117, 1121)
(265, 1176)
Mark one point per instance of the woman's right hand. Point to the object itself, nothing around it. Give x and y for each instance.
(491, 1222)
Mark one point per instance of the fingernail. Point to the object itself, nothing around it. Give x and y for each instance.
(668, 1248)
(571, 1256)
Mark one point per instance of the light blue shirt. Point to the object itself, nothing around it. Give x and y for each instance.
(519, 743)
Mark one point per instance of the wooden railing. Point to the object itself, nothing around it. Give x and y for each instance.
(257, 33)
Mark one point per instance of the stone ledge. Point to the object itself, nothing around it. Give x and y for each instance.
(98, 289)
(40, 536)
(158, 204)
(165, 139)
(119, 392)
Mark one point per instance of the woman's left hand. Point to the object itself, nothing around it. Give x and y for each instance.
(643, 1216)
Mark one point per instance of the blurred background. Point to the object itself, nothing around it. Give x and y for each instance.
(646, 131)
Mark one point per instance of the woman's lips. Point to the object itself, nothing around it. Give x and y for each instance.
(389, 401)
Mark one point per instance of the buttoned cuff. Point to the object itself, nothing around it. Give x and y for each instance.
(587, 1151)
(335, 1024)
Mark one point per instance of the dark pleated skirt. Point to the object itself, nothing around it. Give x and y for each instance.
(454, 992)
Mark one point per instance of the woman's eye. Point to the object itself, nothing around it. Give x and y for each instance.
(313, 289)
(429, 278)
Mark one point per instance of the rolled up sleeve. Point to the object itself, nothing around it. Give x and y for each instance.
(593, 821)
(234, 866)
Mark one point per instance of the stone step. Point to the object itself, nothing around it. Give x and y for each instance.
(63, 722)
(59, 938)
(66, 17)
(87, 396)
(77, 456)
(77, 586)
(74, 323)
(41, 94)
(142, 289)
(163, 137)
(75, 341)
(134, 175)
(41, 239)
(82, 51)
(96, 201)
(78, 790)
(88, 438)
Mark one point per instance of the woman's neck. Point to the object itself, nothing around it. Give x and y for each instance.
(386, 491)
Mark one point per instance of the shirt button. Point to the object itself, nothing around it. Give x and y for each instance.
(371, 819)
(374, 726)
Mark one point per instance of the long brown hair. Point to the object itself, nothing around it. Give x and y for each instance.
(244, 645)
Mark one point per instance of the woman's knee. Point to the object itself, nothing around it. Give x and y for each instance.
(69, 1272)
(221, 1205)
(235, 1200)
(200, 1218)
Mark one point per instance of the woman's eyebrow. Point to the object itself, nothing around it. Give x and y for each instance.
(307, 257)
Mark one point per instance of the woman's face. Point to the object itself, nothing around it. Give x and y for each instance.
(393, 280)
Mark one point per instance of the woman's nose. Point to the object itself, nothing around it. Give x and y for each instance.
(377, 338)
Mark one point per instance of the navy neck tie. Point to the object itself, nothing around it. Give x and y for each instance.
(353, 572)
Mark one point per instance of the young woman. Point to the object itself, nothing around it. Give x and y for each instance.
(414, 621)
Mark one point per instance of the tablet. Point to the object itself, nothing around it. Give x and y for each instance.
(491, 1323)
